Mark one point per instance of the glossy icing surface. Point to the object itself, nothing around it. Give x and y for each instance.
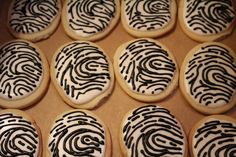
(30, 16)
(206, 17)
(146, 67)
(147, 15)
(89, 17)
(82, 71)
(215, 138)
(210, 76)
(77, 133)
(18, 137)
(153, 131)
(20, 70)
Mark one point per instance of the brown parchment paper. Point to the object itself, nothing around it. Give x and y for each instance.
(113, 109)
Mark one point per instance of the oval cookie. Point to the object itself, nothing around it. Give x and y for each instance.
(208, 78)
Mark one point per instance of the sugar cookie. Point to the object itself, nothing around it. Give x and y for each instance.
(208, 78)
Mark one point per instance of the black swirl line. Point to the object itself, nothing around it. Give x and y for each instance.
(215, 138)
(209, 17)
(18, 137)
(30, 16)
(82, 69)
(211, 76)
(146, 67)
(20, 70)
(88, 17)
(147, 14)
(153, 131)
(77, 134)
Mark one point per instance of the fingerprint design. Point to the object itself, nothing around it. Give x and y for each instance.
(209, 16)
(88, 17)
(210, 76)
(77, 134)
(146, 67)
(215, 138)
(18, 137)
(20, 70)
(153, 131)
(82, 71)
(147, 14)
(30, 16)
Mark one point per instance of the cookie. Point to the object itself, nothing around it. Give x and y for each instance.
(33, 20)
(152, 131)
(208, 78)
(78, 133)
(24, 74)
(90, 19)
(145, 69)
(207, 20)
(82, 74)
(19, 134)
(147, 18)
(213, 136)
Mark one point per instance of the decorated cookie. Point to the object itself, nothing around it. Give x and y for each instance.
(33, 19)
(152, 131)
(90, 19)
(24, 74)
(19, 135)
(208, 78)
(145, 69)
(82, 73)
(213, 136)
(207, 20)
(148, 18)
(78, 133)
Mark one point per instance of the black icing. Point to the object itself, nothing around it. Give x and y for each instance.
(158, 133)
(90, 16)
(30, 16)
(209, 16)
(146, 66)
(215, 138)
(17, 136)
(147, 14)
(217, 81)
(20, 69)
(87, 67)
(86, 139)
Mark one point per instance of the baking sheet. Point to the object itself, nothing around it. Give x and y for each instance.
(113, 109)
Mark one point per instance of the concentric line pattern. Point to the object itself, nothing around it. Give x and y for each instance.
(210, 76)
(20, 70)
(77, 134)
(82, 71)
(146, 67)
(153, 131)
(215, 138)
(209, 16)
(30, 16)
(147, 14)
(88, 17)
(18, 137)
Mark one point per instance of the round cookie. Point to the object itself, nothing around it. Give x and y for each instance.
(213, 136)
(207, 20)
(208, 78)
(148, 18)
(33, 20)
(78, 133)
(152, 131)
(90, 19)
(19, 134)
(145, 69)
(24, 74)
(82, 73)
